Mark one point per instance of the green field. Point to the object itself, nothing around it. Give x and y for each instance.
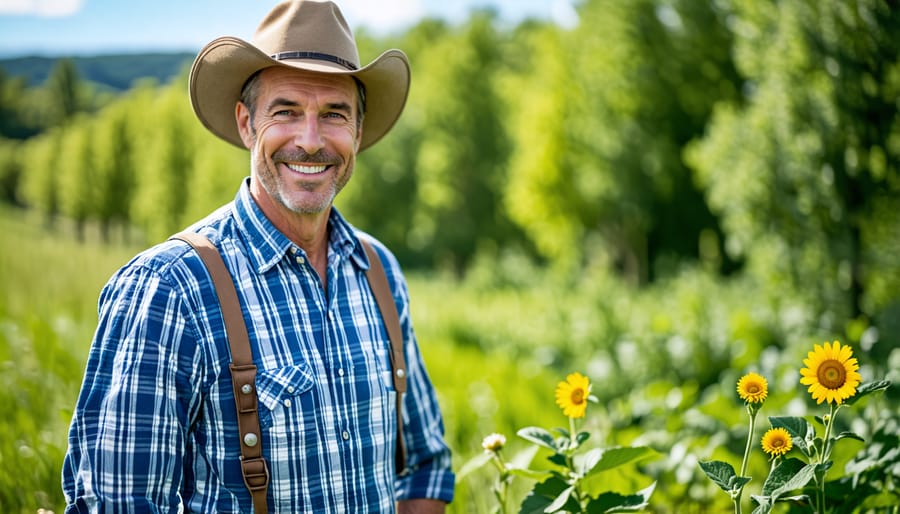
(663, 363)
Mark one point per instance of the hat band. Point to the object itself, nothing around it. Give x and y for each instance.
(317, 56)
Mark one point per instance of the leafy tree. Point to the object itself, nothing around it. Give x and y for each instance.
(163, 162)
(114, 162)
(40, 182)
(63, 94)
(603, 115)
(804, 175)
(77, 174)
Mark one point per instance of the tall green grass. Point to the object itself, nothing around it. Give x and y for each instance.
(663, 361)
(48, 315)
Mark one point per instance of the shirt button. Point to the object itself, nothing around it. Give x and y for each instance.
(300, 260)
(287, 403)
(290, 389)
(294, 250)
(345, 435)
(341, 372)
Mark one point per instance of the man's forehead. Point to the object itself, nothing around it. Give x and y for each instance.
(280, 77)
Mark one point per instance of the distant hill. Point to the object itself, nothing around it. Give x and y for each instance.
(118, 72)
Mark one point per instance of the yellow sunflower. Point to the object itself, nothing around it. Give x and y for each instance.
(776, 442)
(831, 373)
(753, 388)
(572, 395)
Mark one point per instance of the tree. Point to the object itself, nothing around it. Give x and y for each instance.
(805, 174)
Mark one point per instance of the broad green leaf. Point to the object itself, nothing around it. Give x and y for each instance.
(543, 494)
(721, 473)
(802, 432)
(538, 436)
(560, 500)
(531, 474)
(473, 464)
(782, 473)
(615, 457)
(615, 502)
(586, 461)
(867, 389)
(797, 481)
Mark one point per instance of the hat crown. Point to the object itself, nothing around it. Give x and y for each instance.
(297, 29)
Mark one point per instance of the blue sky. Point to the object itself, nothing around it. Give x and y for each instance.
(87, 27)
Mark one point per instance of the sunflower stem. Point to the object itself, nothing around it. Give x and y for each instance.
(736, 495)
(823, 458)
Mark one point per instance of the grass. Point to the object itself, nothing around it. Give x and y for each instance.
(48, 314)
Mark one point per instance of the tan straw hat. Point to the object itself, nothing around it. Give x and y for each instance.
(305, 34)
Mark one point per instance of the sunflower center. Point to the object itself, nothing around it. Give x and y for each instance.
(777, 443)
(578, 396)
(832, 374)
(753, 389)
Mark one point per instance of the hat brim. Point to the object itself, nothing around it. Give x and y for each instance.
(223, 66)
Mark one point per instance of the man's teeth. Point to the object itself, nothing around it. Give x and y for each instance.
(308, 170)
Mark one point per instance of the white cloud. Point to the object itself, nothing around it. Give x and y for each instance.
(383, 16)
(50, 8)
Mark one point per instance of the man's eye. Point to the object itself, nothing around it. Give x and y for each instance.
(336, 115)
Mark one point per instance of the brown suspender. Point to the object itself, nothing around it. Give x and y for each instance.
(243, 372)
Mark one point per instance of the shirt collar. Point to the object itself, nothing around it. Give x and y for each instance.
(266, 245)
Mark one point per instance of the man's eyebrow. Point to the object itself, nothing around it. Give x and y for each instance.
(281, 102)
(340, 106)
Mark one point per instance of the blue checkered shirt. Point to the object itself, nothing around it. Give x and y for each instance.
(155, 428)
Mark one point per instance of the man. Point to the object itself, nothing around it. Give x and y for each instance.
(155, 426)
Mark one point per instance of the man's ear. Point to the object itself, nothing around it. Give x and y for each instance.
(244, 124)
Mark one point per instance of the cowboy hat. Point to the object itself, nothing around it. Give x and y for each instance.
(305, 34)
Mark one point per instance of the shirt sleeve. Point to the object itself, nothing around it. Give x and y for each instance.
(128, 431)
(428, 458)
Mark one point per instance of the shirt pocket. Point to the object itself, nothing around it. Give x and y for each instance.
(280, 388)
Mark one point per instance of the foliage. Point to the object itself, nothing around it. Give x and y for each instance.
(832, 369)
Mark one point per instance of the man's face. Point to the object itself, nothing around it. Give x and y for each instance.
(303, 138)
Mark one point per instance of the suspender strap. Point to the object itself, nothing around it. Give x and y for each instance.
(385, 300)
(243, 372)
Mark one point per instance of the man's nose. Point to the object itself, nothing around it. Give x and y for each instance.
(308, 136)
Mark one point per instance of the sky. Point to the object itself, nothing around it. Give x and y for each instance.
(93, 27)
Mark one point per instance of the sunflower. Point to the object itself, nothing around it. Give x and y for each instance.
(831, 373)
(776, 442)
(572, 395)
(753, 388)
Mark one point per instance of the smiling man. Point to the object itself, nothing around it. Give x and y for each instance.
(156, 426)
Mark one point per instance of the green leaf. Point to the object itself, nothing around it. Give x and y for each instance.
(473, 464)
(796, 480)
(560, 501)
(722, 473)
(615, 502)
(849, 435)
(531, 474)
(787, 469)
(538, 436)
(559, 459)
(585, 462)
(802, 432)
(615, 457)
(543, 494)
(867, 389)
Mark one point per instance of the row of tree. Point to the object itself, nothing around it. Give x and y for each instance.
(737, 134)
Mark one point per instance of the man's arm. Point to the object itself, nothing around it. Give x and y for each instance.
(421, 506)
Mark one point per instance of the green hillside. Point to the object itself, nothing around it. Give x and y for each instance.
(118, 72)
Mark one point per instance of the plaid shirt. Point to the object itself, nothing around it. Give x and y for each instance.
(155, 426)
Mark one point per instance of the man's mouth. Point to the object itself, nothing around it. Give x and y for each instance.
(307, 169)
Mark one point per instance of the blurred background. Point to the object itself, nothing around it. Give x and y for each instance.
(660, 194)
